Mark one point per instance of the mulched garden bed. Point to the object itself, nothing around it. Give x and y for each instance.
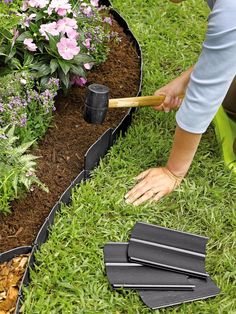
(62, 149)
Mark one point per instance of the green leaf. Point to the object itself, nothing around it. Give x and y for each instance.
(23, 147)
(65, 66)
(41, 68)
(34, 27)
(44, 70)
(16, 63)
(81, 58)
(2, 54)
(15, 183)
(64, 78)
(53, 65)
(6, 34)
(53, 40)
(40, 46)
(44, 80)
(4, 71)
(28, 58)
(11, 54)
(77, 70)
(23, 36)
(39, 16)
(10, 132)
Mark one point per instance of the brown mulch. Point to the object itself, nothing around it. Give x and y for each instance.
(62, 149)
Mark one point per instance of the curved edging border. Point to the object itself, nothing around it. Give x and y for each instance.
(91, 160)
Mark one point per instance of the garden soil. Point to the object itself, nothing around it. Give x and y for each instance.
(62, 149)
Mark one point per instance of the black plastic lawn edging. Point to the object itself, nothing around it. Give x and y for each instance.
(91, 160)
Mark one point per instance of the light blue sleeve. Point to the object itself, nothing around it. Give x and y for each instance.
(214, 71)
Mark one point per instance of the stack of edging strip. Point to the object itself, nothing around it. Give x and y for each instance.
(166, 267)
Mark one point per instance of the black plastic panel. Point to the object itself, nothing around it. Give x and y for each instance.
(51, 215)
(81, 177)
(66, 196)
(18, 305)
(203, 289)
(122, 127)
(123, 274)
(42, 234)
(26, 278)
(97, 151)
(8, 255)
(168, 249)
(105, 2)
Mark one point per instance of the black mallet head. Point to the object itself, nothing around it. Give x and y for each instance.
(96, 103)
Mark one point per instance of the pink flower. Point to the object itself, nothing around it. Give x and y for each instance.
(50, 28)
(65, 23)
(107, 20)
(68, 48)
(86, 43)
(78, 80)
(88, 66)
(15, 35)
(94, 2)
(25, 5)
(88, 11)
(68, 26)
(38, 3)
(72, 34)
(29, 44)
(28, 19)
(61, 7)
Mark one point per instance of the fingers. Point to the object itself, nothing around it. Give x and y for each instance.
(153, 184)
(137, 191)
(145, 197)
(170, 102)
(167, 105)
(142, 175)
(158, 196)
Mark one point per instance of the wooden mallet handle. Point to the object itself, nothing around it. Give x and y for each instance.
(140, 101)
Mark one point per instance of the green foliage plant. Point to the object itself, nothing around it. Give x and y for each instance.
(8, 15)
(63, 39)
(17, 168)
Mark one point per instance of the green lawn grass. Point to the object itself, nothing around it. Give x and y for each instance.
(70, 275)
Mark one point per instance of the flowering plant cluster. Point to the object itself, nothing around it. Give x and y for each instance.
(25, 113)
(58, 38)
(25, 106)
(17, 168)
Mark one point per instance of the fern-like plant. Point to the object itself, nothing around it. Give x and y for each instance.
(17, 168)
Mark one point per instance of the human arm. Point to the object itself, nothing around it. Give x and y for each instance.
(208, 85)
(155, 183)
(173, 90)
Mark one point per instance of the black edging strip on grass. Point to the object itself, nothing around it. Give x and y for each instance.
(97, 150)
(91, 160)
(204, 289)
(122, 273)
(168, 249)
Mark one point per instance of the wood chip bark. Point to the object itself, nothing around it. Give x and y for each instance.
(11, 274)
